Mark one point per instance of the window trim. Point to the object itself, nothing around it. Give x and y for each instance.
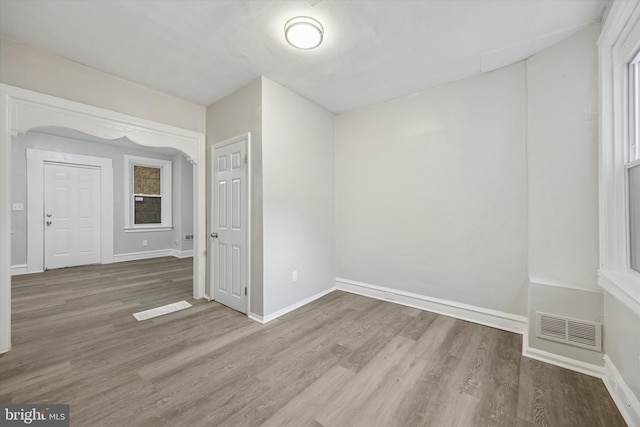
(165, 193)
(618, 44)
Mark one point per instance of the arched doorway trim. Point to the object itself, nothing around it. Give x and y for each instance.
(22, 110)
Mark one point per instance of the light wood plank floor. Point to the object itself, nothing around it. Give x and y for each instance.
(343, 360)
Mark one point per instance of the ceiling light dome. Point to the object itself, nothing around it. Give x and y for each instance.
(303, 32)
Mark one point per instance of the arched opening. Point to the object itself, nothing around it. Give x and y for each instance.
(114, 239)
(42, 123)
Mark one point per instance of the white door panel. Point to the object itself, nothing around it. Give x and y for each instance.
(229, 222)
(71, 215)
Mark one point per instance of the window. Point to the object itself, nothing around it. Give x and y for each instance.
(634, 215)
(147, 194)
(619, 47)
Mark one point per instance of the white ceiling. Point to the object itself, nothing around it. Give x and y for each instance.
(373, 50)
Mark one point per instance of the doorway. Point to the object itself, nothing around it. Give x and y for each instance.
(72, 215)
(23, 110)
(42, 239)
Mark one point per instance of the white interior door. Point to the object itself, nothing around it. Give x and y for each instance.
(229, 225)
(71, 215)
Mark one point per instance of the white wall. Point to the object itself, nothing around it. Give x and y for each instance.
(563, 161)
(622, 340)
(236, 114)
(36, 70)
(562, 147)
(186, 202)
(431, 192)
(183, 201)
(124, 243)
(298, 197)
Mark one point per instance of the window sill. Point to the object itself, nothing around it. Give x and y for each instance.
(624, 286)
(145, 229)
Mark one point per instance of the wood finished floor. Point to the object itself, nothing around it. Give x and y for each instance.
(343, 360)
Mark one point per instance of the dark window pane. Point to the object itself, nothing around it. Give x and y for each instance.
(634, 216)
(148, 210)
(146, 180)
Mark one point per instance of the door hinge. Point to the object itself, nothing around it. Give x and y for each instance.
(245, 292)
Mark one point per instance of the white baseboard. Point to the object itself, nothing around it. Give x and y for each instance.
(562, 361)
(257, 318)
(625, 400)
(290, 308)
(17, 270)
(483, 316)
(133, 256)
(182, 254)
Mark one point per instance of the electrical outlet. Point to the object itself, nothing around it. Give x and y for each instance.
(144, 243)
(18, 207)
(294, 276)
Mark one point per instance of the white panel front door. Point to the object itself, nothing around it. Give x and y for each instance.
(71, 215)
(229, 232)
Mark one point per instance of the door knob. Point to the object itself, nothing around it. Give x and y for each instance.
(48, 223)
(214, 235)
(49, 214)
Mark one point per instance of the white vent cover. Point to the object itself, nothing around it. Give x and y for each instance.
(580, 333)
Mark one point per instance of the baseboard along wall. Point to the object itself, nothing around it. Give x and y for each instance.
(133, 256)
(624, 398)
(562, 361)
(483, 316)
(290, 308)
(16, 270)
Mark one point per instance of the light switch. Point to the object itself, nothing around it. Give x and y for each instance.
(18, 206)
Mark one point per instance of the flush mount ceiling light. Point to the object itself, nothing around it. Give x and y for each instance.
(303, 32)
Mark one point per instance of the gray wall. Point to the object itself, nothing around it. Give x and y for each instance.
(124, 243)
(183, 202)
(298, 197)
(622, 340)
(562, 146)
(431, 192)
(236, 114)
(292, 157)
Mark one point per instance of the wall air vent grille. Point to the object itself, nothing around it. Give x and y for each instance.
(580, 333)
